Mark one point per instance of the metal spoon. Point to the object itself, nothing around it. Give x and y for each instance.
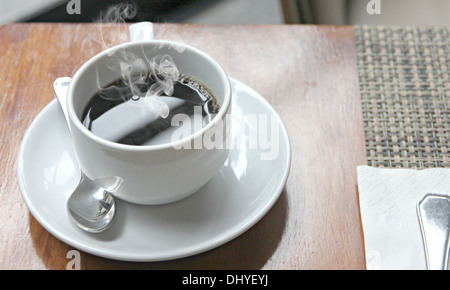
(91, 206)
(434, 216)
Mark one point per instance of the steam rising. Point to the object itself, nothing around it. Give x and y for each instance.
(110, 33)
(148, 77)
(164, 72)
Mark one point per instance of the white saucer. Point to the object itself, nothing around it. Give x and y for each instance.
(232, 202)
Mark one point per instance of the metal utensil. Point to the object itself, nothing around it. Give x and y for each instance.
(434, 216)
(91, 206)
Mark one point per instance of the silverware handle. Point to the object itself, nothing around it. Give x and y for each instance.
(434, 216)
(61, 87)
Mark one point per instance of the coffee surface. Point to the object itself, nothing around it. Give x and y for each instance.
(134, 115)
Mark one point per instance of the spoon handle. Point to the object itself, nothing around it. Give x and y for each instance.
(61, 86)
(434, 216)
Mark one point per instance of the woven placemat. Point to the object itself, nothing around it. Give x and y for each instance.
(405, 91)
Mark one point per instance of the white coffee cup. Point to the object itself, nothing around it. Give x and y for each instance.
(154, 174)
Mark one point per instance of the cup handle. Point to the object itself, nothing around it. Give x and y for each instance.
(141, 31)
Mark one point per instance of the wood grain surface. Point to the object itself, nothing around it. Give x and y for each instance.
(307, 73)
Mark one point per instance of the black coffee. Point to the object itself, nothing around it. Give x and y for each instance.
(128, 114)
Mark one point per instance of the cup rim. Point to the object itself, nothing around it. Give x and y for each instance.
(137, 148)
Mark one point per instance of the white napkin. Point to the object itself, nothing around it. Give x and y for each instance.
(388, 200)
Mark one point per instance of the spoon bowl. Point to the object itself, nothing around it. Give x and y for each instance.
(91, 205)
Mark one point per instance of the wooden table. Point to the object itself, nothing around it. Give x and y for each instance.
(308, 74)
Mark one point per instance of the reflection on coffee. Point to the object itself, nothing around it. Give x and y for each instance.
(135, 115)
